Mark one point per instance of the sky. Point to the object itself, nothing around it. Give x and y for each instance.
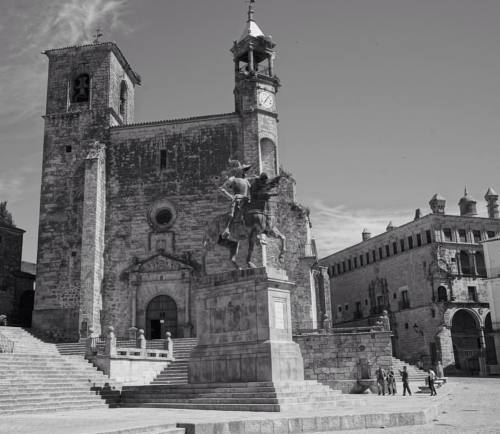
(383, 103)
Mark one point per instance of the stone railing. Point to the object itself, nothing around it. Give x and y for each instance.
(132, 348)
(6, 345)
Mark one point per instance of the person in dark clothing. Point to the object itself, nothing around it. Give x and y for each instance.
(391, 382)
(380, 380)
(404, 377)
(430, 380)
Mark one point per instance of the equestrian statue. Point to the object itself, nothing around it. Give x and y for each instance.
(249, 217)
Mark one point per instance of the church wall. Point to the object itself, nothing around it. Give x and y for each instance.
(197, 151)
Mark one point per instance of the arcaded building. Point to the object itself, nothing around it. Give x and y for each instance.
(125, 207)
(430, 275)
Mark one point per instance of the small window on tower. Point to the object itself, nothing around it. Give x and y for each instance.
(69, 148)
(123, 99)
(163, 159)
(81, 88)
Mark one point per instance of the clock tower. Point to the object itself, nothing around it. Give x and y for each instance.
(256, 86)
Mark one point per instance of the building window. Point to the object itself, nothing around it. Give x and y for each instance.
(472, 293)
(163, 159)
(367, 258)
(442, 294)
(402, 244)
(123, 98)
(428, 237)
(374, 256)
(405, 300)
(410, 242)
(68, 148)
(490, 234)
(380, 252)
(358, 313)
(419, 240)
(349, 264)
(406, 326)
(343, 267)
(394, 296)
(81, 88)
(346, 307)
(340, 308)
(447, 234)
(338, 269)
(387, 251)
(476, 235)
(366, 302)
(433, 313)
(480, 265)
(465, 263)
(355, 262)
(462, 235)
(394, 248)
(361, 260)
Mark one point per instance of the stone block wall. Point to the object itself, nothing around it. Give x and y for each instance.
(334, 359)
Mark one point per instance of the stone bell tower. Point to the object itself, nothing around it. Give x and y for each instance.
(90, 88)
(256, 86)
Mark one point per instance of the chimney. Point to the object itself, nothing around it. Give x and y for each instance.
(437, 204)
(365, 235)
(418, 214)
(389, 227)
(491, 197)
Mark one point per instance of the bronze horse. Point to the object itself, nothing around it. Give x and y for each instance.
(252, 221)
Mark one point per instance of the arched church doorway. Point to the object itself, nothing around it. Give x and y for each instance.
(161, 317)
(491, 353)
(466, 342)
(26, 308)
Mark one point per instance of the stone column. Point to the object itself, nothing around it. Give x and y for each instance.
(251, 65)
(93, 222)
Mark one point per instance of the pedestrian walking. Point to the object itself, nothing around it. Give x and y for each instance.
(391, 382)
(430, 381)
(380, 380)
(404, 377)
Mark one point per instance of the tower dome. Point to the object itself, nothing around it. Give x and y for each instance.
(467, 205)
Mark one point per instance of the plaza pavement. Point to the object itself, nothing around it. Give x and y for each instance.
(465, 405)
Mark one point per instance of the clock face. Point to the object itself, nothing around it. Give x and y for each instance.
(266, 99)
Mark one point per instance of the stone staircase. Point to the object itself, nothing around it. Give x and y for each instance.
(264, 396)
(36, 378)
(415, 374)
(177, 372)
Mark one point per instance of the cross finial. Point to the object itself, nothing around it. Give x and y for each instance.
(465, 191)
(97, 35)
(251, 10)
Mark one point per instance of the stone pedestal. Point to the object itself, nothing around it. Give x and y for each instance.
(244, 329)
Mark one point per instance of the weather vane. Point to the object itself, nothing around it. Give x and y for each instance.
(97, 35)
(251, 10)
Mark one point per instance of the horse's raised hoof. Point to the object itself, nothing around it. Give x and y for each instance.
(251, 265)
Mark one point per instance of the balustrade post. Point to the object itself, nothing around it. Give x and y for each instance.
(132, 333)
(141, 342)
(91, 344)
(110, 349)
(168, 344)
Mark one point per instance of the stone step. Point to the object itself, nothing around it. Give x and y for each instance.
(20, 405)
(51, 409)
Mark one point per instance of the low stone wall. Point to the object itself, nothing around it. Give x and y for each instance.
(342, 359)
(130, 371)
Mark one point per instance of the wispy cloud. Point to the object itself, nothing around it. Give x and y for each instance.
(15, 182)
(39, 26)
(338, 227)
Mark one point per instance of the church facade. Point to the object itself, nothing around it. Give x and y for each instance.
(125, 207)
